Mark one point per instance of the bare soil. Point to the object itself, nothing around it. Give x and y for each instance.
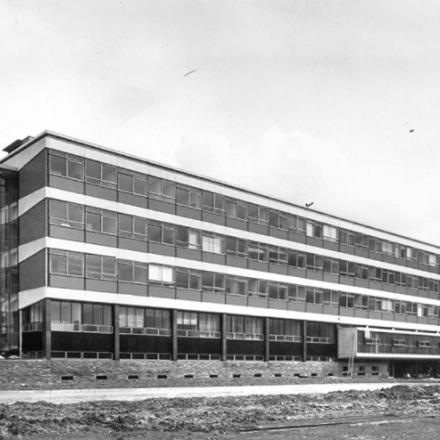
(401, 410)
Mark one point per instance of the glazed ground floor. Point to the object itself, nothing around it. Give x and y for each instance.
(61, 329)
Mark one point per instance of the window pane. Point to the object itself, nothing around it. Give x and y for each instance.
(76, 214)
(109, 268)
(169, 235)
(139, 186)
(106, 315)
(93, 266)
(169, 189)
(66, 315)
(55, 312)
(182, 278)
(57, 210)
(93, 222)
(125, 225)
(75, 264)
(75, 170)
(57, 165)
(155, 232)
(140, 274)
(195, 198)
(125, 271)
(93, 169)
(109, 223)
(167, 275)
(155, 272)
(109, 174)
(140, 228)
(182, 196)
(155, 185)
(58, 264)
(87, 313)
(125, 182)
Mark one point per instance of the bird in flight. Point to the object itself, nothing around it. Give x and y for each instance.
(308, 205)
(412, 130)
(189, 73)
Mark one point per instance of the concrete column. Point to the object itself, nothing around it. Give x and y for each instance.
(116, 343)
(20, 332)
(266, 340)
(174, 335)
(224, 341)
(304, 344)
(47, 334)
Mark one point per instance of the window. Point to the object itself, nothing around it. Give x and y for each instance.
(101, 174)
(156, 318)
(330, 233)
(188, 279)
(160, 274)
(324, 333)
(66, 166)
(98, 220)
(162, 233)
(132, 272)
(65, 312)
(132, 184)
(330, 297)
(285, 327)
(161, 189)
(313, 230)
(244, 327)
(387, 248)
(236, 286)
(101, 267)
(97, 314)
(187, 196)
(346, 237)
(258, 214)
(213, 282)
(66, 214)
(236, 209)
(133, 317)
(198, 324)
(313, 296)
(66, 263)
(277, 291)
(212, 243)
(346, 300)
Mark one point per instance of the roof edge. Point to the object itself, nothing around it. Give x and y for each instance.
(198, 176)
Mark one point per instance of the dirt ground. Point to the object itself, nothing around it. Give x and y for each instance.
(399, 413)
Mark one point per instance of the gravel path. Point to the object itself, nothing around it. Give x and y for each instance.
(135, 394)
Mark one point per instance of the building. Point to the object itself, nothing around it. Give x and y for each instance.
(109, 256)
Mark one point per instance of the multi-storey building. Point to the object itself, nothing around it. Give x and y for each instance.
(118, 257)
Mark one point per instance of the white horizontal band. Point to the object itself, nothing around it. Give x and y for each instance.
(31, 200)
(29, 249)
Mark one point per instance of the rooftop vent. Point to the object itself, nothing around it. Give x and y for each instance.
(16, 144)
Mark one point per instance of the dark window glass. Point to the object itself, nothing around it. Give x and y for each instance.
(109, 223)
(93, 221)
(125, 225)
(125, 182)
(57, 165)
(182, 196)
(109, 174)
(93, 169)
(75, 170)
(139, 186)
(155, 232)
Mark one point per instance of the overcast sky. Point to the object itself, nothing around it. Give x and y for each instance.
(305, 100)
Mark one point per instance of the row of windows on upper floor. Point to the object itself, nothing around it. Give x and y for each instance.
(127, 226)
(117, 178)
(188, 323)
(108, 268)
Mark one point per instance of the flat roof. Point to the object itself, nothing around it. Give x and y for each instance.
(28, 141)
